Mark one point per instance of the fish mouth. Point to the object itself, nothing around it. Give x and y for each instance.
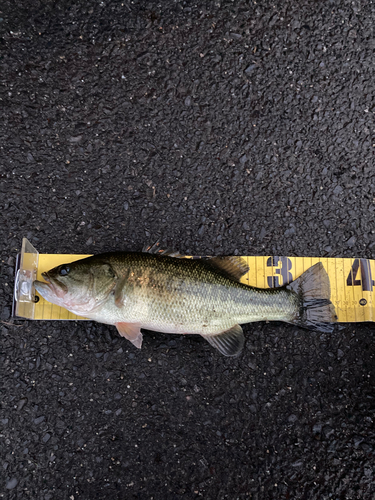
(50, 287)
(54, 283)
(44, 289)
(46, 277)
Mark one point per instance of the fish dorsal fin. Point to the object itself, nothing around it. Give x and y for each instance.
(229, 343)
(131, 331)
(231, 266)
(157, 250)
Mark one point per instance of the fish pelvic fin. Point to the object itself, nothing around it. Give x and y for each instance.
(132, 332)
(229, 343)
(316, 311)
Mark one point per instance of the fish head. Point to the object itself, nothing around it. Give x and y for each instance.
(80, 286)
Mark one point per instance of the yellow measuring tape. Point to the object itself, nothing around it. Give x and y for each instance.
(351, 282)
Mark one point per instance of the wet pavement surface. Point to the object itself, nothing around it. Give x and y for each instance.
(216, 128)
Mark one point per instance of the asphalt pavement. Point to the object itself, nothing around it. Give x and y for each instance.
(216, 128)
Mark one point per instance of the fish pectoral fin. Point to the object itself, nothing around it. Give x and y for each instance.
(229, 343)
(119, 292)
(231, 266)
(132, 332)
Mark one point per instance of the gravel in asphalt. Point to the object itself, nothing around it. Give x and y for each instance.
(223, 127)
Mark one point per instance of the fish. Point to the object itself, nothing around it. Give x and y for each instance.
(163, 291)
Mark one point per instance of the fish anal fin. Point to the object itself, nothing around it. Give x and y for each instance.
(233, 267)
(131, 331)
(229, 343)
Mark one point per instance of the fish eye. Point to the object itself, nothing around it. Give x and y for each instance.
(64, 270)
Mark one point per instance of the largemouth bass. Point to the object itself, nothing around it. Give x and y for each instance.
(171, 294)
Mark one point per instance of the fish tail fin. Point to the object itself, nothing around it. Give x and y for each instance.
(316, 311)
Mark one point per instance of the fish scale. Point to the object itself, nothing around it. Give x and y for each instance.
(186, 296)
(178, 295)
